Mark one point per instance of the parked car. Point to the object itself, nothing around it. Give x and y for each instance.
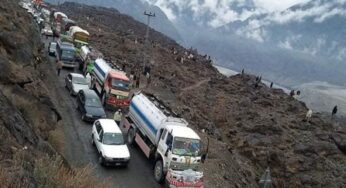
(52, 48)
(90, 105)
(75, 82)
(109, 142)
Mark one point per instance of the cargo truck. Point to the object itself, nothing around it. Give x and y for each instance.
(87, 57)
(65, 52)
(57, 18)
(111, 85)
(79, 36)
(165, 139)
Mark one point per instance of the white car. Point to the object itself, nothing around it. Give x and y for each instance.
(109, 142)
(52, 48)
(47, 31)
(75, 82)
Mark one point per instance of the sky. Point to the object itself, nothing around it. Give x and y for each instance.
(277, 5)
(220, 10)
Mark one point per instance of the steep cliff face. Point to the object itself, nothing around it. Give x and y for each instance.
(250, 126)
(27, 111)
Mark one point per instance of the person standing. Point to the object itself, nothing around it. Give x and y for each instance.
(308, 115)
(335, 110)
(137, 82)
(148, 78)
(117, 116)
(88, 78)
(58, 66)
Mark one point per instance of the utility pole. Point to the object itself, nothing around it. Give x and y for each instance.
(149, 15)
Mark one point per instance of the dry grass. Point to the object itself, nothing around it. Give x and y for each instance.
(57, 139)
(53, 174)
(5, 178)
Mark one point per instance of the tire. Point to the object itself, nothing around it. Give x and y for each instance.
(92, 140)
(158, 171)
(101, 160)
(131, 136)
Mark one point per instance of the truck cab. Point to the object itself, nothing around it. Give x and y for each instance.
(112, 85)
(65, 52)
(179, 148)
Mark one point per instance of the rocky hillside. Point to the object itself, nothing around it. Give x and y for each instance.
(250, 127)
(28, 114)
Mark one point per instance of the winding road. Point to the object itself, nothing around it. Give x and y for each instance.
(79, 151)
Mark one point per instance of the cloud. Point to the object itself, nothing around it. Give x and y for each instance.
(214, 13)
(277, 5)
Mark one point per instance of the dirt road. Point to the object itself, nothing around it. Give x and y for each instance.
(80, 152)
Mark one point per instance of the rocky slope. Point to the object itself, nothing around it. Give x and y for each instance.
(28, 114)
(250, 128)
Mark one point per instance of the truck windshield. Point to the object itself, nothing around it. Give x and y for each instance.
(120, 84)
(67, 55)
(113, 139)
(186, 146)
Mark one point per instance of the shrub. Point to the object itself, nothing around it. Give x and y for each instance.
(52, 173)
(57, 139)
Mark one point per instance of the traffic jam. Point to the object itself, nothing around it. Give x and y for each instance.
(140, 119)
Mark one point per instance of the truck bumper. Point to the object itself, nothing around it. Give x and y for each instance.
(174, 180)
(182, 184)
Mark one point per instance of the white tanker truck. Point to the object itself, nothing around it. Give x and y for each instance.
(175, 148)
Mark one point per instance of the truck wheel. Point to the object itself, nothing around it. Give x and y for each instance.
(131, 136)
(158, 171)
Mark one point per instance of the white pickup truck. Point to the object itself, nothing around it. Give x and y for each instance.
(168, 140)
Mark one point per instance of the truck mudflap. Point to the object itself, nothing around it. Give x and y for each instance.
(186, 179)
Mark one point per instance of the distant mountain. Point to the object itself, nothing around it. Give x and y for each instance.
(316, 27)
(285, 67)
(302, 44)
(135, 8)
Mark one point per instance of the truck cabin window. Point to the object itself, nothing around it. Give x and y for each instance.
(186, 146)
(113, 139)
(120, 84)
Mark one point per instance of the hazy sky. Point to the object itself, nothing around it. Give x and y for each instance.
(277, 5)
(221, 9)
